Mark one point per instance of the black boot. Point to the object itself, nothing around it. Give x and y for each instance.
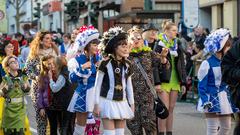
(160, 133)
(169, 132)
(64, 131)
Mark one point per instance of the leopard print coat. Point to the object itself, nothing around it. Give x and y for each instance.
(144, 113)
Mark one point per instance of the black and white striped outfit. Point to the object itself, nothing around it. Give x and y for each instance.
(114, 92)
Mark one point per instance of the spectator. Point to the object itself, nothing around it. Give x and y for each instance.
(230, 75)
(149, 35)
(40, 46)
(6, 49)
(170, 78)
(65, 45)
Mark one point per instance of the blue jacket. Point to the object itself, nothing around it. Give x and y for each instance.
(84, 77)
(210, 84)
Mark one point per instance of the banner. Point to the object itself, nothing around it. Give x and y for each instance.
(190, 13)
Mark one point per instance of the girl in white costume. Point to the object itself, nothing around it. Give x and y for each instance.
(114, 93)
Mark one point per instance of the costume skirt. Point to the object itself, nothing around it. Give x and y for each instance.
(115, 109)
(82, 102)
(221, 104)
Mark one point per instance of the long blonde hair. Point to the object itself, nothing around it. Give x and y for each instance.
(36, 45)
(167, 25)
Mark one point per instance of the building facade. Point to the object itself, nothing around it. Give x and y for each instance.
(3, 17)
(220, 13)
(52, 17)
(127, 13)
(25, 18)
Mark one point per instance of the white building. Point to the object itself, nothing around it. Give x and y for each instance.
(25, 19)
(52, 15)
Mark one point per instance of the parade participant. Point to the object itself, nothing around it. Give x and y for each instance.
(170, 78)
(149, 35)
(214, 94)
(83, 71)
(40, 46)
(114, 93)
(145, 117)
(13, 88)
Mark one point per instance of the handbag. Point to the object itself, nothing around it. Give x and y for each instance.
(93, 125)
(160, 109)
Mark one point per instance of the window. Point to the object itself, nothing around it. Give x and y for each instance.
(12, 28)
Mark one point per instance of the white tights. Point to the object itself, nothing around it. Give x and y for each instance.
(79, 130)
(214, 123)
(118, 131)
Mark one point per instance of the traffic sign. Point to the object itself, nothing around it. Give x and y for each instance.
(2, 15)
(190, 13)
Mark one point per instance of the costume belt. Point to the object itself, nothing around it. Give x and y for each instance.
(14, 100)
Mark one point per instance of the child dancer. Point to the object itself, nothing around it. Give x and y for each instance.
(214, 95)
(83, 71)
(114, 93)
(13, 88)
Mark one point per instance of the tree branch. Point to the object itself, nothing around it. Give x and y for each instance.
(11, 2)
(23, 1)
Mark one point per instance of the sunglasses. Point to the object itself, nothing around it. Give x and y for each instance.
(136, 38)
(12, 62)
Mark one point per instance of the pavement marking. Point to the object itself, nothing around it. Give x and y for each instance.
(33, 130)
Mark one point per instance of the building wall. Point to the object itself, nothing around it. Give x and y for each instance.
(230, 16)
(25, 18)
(53, 21)
(3, 22)
(127, 5)
(223, 13)
(205, 17)
(217, 16)
(11, 20)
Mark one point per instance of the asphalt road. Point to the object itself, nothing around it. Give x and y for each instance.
(187, 121)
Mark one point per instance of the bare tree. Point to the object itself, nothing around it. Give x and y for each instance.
(17, 4)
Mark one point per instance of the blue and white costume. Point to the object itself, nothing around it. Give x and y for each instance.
(213, 93)
(212, 90)
(83, 98)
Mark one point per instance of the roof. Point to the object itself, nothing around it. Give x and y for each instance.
(144, 14)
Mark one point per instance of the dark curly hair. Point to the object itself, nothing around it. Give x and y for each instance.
(111, 38)
(3, 44)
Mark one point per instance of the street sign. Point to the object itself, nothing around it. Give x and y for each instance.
(2, 15)
(190, 13)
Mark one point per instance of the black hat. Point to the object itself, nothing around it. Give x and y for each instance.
(150, 26)
(111, 39)
(113, 43)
